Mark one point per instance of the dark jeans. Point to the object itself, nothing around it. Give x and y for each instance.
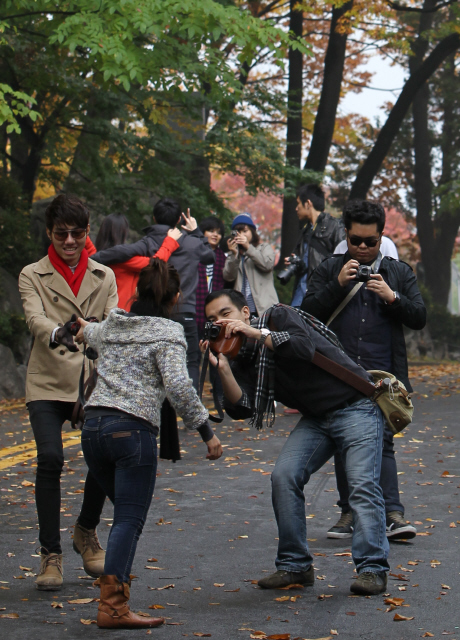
(188, 321)
(47, 418)
(122, 455)
(388, 477)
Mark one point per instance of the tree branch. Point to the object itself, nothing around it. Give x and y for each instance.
(390, 129)
(399, 7)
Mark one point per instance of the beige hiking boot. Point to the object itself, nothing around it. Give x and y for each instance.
(51, 572)
(86, 543)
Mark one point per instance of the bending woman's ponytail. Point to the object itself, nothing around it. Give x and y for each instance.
(157, 289)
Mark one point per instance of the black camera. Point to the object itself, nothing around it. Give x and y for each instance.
(233, 234)
(295, 267)
(364, 273)
(211, 331)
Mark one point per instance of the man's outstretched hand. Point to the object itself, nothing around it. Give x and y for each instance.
(64, 335)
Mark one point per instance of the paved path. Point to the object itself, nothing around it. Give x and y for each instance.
(211, 534)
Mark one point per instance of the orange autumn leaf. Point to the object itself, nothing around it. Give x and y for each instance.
(399, 617)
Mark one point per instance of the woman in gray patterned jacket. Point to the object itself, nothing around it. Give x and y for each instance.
(142, 361)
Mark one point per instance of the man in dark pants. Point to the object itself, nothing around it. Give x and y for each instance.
(276, 364)
(193, 250)
(63, 283)
(370, 328)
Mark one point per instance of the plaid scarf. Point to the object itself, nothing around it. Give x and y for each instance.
(264, 400)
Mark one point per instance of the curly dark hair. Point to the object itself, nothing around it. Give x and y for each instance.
(364, 212)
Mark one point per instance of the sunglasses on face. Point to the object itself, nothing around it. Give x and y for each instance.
(369, 242)
(62, 234)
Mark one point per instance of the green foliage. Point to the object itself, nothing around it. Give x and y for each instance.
(13, 329)
(17, 248)
(14, 105)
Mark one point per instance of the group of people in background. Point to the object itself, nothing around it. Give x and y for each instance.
(143, 306)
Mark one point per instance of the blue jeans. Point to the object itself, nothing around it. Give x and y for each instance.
(388, 477)
(356, 432)
(122, 455)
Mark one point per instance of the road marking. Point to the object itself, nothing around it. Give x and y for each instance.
(28, 450)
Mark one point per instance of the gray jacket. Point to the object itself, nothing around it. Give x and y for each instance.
(258, 264)
(142, 361)
(193, 250)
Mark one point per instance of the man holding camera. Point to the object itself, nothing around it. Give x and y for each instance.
(276, 363)
(320, 234)
(63, 283)
(366, 300)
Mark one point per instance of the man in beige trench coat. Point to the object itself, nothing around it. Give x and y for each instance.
(63, 283)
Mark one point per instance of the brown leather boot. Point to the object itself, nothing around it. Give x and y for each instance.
(51, 572)
(86, 543)
(114, 611)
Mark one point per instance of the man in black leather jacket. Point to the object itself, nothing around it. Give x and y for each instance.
(370, 328)
(319, 237)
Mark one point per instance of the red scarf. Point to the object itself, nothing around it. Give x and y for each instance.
(74, 280)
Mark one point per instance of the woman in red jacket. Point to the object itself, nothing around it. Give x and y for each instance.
(114, 230)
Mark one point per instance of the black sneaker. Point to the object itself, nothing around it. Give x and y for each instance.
(398, 528)
(281, 579)
(343, 527)
(369, 583)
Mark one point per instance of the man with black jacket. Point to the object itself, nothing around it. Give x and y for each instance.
(276, 364)
(193, 250)
(370, 328)
(319, 237)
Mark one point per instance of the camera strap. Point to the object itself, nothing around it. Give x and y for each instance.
(218, 406)
(375, 268)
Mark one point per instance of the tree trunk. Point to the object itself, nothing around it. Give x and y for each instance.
(290, 222)
(437, 249)
(334, 61)
(390, 129)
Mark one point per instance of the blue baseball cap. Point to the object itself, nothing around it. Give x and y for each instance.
(243, 218)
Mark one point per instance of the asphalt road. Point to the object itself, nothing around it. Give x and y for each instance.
(211, 533)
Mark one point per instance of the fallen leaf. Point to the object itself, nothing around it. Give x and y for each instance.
(290, 586)
(258, 634)
(427, 634)
(346, 553)
(231, 590)
(9, 615)
(81, 601)
(202, 635)
(399, 617)
(168, 586)
(279, 636)
(350, 613)
(445, 586)
(83, 621)
(152, 560)
(154, 568)
(397, 602)
(219, 584)
(172, 490)
(156, 606)
(323, 596)
(334, 632)
(57, 605)
(282, 599)
(26, 483)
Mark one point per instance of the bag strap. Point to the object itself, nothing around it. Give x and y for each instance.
(218, 406)
(344, 374)
(375, 267)
(344, 302)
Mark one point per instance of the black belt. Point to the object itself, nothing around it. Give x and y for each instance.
(357, 397)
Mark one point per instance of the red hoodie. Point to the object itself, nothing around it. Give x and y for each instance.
(127, 273)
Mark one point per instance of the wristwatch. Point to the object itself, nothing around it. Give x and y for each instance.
(264, 335)
(396, 297)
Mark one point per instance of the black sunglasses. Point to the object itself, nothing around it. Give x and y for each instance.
(369, 242)
(77, 234)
